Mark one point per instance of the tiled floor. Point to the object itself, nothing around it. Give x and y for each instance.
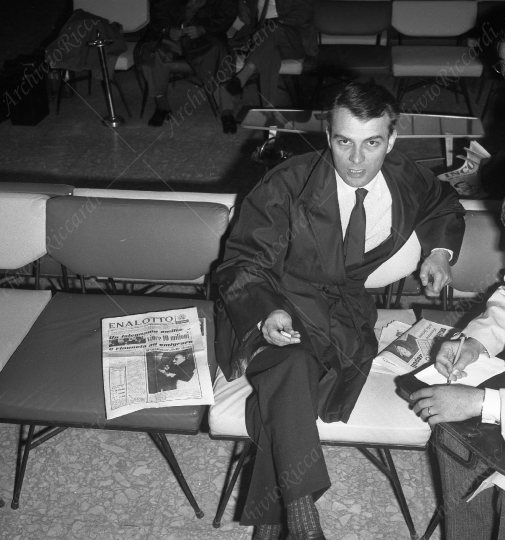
(115, 485)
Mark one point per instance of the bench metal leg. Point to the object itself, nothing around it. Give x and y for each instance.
(30, 444)
(435, 521)
(224, 501)
(21, 473)
(164, 446)
(390, 471)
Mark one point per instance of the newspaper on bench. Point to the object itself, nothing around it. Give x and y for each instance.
(155, 359)
(417, 345)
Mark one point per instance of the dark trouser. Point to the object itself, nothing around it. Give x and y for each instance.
(271, 44)
(479, 519)
(281, 418)
(212, 68)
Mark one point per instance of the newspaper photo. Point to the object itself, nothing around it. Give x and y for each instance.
(413, 348)
(155, 359)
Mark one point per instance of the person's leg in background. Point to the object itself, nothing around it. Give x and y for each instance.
(289, 469)
(214, 67)
(272, 43)
(478, 519)
(157, 76)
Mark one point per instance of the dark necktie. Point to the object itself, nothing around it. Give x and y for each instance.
(354, 244)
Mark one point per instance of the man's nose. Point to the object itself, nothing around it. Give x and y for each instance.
(357, 155)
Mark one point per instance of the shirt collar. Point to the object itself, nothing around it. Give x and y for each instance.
(372, 186)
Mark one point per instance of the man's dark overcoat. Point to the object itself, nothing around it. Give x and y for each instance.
(286, 252)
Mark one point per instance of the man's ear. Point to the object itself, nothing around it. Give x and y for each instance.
(328, 135)
(391, 141)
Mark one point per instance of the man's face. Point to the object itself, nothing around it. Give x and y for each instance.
(178, 359)
(358, 147)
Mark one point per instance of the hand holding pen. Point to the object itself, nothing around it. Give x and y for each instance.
(456, 357)
(456, 354)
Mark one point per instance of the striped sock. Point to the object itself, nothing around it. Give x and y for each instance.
(303, 517)
(268, 532)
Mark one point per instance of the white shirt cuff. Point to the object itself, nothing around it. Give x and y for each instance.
(491, 407)
(451, 253)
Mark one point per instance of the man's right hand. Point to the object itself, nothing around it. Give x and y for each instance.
(175, 33)
(279, 321)
(469, 353)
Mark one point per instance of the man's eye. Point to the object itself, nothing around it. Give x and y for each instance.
(343, 141)
(373, 143)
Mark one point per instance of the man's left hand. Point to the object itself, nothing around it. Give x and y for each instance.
(436, 272)
(194, 32)
(448, 403)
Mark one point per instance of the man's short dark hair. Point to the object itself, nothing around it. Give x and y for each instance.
(366, 101)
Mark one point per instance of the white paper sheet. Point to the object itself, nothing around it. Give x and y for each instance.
(481, 370)
(496, 479)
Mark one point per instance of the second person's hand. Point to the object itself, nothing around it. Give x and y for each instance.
(444, 362)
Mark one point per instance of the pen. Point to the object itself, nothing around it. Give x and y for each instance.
(456, 358)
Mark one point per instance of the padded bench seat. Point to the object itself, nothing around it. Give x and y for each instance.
(60, 364)
(380, 416)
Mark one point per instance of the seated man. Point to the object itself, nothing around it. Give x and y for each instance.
(193, 30)
(298, 321)
(481, 518)
(281, 29)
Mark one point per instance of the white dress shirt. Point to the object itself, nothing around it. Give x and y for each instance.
(378, 209)
(489, 329)
(271, 9)
(378, 204)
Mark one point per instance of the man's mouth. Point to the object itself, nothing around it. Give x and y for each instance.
(356, 172)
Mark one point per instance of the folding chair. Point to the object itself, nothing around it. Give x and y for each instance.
(381, 420)
(447, 64)
(344, 20)
(20, 215)
(54, 379)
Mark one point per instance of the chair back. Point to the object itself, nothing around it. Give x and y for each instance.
(131, 14)
(135, 239)
(433, 18)
(482, 256)
(22, 229)
(352, 18)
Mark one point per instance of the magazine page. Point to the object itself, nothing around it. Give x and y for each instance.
(413, 348)
(156, 359)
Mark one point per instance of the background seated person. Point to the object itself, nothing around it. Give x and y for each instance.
(196, 31)
(481, 518)
(281, 29)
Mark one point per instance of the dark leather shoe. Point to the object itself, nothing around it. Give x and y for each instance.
(229, 124)
(159, 117)
(233, 86)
